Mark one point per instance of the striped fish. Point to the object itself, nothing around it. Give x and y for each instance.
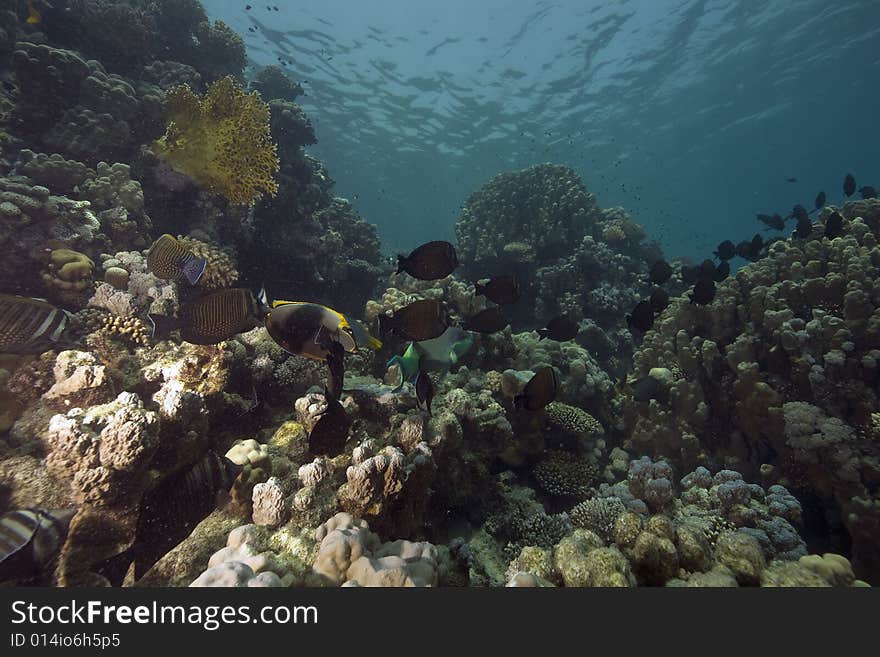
(29, 326)
(218, 316)
(29, 540)
(170, 512)
(169, 259)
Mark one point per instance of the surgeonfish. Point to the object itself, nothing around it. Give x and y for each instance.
(660, 272)
(704, 292)
(303, 328)
(169, 512)
(849, 185)
(868, 192)
(425, 390)
(490, 320)
(561, 329)
(29, 326)
(212, 318)
(539, 391)
(29, 541)
(726, 250)
(659, 300)
(169, 259)
(429, 262)
(329, 433)
(502, 289)
(834, 225)
(424, 319)
(642, 317)
(820, 201)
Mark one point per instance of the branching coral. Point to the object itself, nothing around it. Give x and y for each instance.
(221, 140)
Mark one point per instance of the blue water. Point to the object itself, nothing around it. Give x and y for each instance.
(691, 114)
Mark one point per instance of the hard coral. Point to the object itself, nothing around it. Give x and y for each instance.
(221, 140)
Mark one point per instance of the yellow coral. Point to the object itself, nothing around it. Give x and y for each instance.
(221, 140)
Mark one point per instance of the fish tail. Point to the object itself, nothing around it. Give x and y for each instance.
(116, 567)
(374, 343)
(401, 263)
(192, 268)
(542, 333)
(161, 326)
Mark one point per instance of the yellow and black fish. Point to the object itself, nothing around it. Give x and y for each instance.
(34, 17)
(304, 329)
(169, 512)
(29, 540)
(29, 326)
(212, 318)
(169, 259)
(539, 391)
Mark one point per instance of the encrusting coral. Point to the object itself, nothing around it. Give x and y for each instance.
(221, 140)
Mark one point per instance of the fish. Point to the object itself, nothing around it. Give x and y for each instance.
(659, 272)
(169, 512)
(169, 259)
(804, 228)
(707, 269)
(29, 541)
(30, 326)
(561, 329)
(726, 250)
(820, 201)
(436, 355)
(834, 225)
(799, 212)
(34, 17)
(690, 274)
(305, 329)
(647, 388)
(430, 261)
(868, 192)
(722, 271)
(773, 222)
(849, 184)
(424, 319)
(659, 300)
(335, 366)
(502, 289)
(539, 391)
(704, 292)
(330, 432)
(641, 318)
(425, 390)
(751, 249)
(791, 180)
(490, 320)
(212, 318)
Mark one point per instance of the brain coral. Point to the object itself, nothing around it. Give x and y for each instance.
(221, 140)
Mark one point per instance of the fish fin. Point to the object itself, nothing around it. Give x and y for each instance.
(279, 302)
(374, 343)
(161, 326)
(116, 567)
(453, 357)
(401, 263)
(542, 333)
(193, 268)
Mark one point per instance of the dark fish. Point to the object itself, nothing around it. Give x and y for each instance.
(726, 250)
(490, 320)
(690, 275)
(849, 185)
(868, 192)
(247, 7)
(501, 289)
(820, 200)
(834, 225)
(659, 272)
(335, 367)
(659, 300)
(799, 212)
(791, 180)
(169, 259)
(707, 269)
(642, 317)
(29, 326)
(704, 292)
(804, 228)
(648, 388)
(722, 271)
(774, 222)
(212, 318)
(429, 261)
(539, 391)
(561, 329)
(424, 390)
(169, 513)
(330, 432)
(750, 249)
(421, 320)
(304, 329)
(29, 540)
